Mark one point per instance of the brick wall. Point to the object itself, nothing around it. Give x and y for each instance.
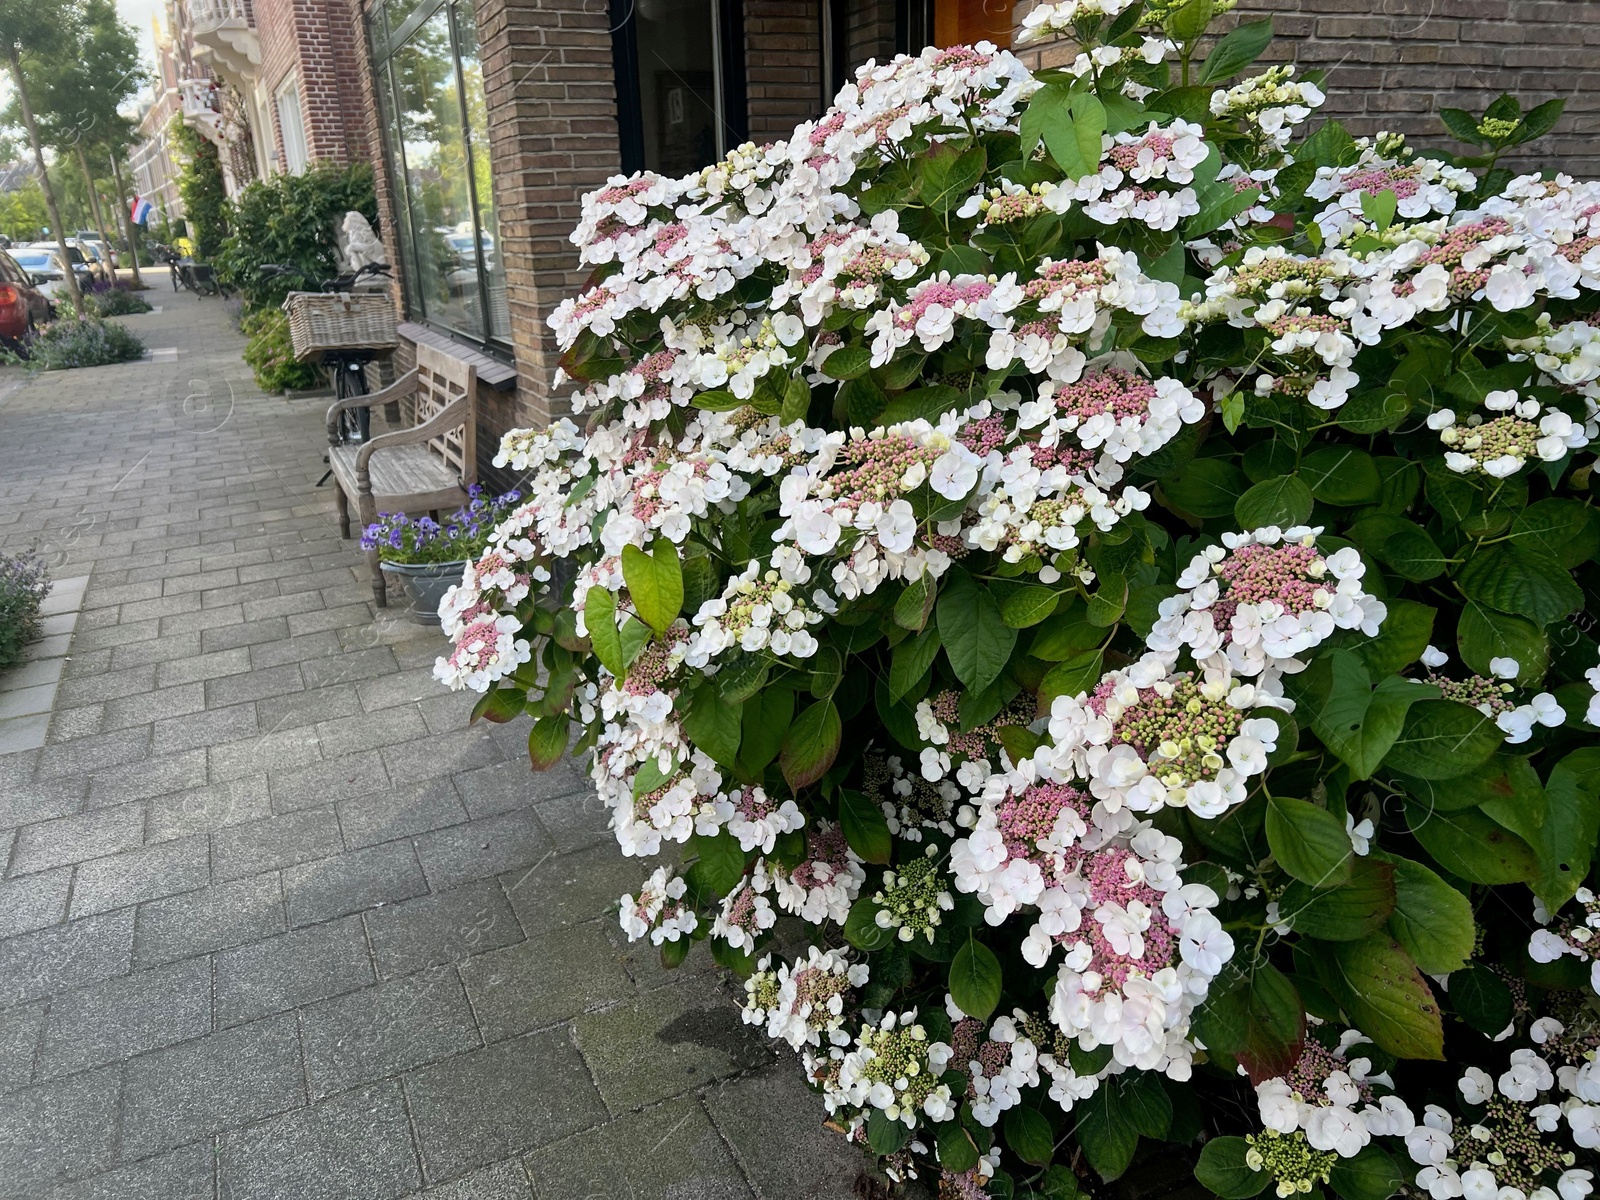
(783, 65)
(323, 42)
(1392, 64)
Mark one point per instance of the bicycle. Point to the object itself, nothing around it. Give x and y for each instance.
(348, 366)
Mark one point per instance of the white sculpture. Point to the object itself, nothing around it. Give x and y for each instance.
(358, 244)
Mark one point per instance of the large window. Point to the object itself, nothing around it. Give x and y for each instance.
(436, 135)
(291, 127)
(680, 82)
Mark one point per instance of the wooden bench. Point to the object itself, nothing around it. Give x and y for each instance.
(425, 469)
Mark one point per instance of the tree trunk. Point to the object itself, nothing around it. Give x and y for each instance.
(44, 178)
(127, 219)
(94, 198)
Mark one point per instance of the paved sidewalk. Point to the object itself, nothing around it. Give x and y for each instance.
(274, 922)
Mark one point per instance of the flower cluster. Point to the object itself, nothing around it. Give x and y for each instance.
(1501, 445)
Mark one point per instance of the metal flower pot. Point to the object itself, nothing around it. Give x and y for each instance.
(425, 585)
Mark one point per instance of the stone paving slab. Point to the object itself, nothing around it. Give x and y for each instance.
(275, 923)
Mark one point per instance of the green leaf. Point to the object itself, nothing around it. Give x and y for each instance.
(1483, 634)
(765, 719)
(1059, 1183)
(885, 1134)
(1361, 724)
(811, 745)
(1028, 606)
(719, 400)
(975, 979)
(1512, 578)
(547, 741)
(848, 362)
(1370, 1175)
(1565, 530)
(1235, 51)
(1373, 412)
(976, 638)
(1223, 1171)
(927, 403)
(1342, 914)
(1189, 22)
(1431, 919)
(864, 826)
(914, 606)
(655, 582)
(861, 928)
(1341, 475)
(1070, 122)
(1412, 554)
(796, 400)
(720, 863)
(1403, 636)
(1029, 1135)
(949, 174)
(1205, 487)
(911, 660)
(740, 679)
(1219, 206)
(714, 725)
(1283, 502)
(1571, 826)
(1078, 674)
(499, 705)
(1443, 739)
(1308, 842)
(1481, 999)
(1108, 1138)
(1253, 1013)
(600, 618)
(1385, 996)
(1539, 121)
(1379, 209)
(1461, 124)
(1469, 845)
(956, 1149)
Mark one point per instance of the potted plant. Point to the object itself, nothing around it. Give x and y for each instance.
(429, 556)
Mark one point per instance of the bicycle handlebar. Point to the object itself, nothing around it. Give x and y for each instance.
(339, 283)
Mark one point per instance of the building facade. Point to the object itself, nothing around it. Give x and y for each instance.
(491, 118)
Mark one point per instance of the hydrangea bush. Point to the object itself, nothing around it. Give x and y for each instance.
(1073, 584)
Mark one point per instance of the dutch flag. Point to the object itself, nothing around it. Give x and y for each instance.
(140, 210)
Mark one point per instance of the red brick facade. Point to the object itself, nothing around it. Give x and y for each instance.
(323, 43)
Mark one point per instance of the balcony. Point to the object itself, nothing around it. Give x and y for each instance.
(224, 32)
(201, 105)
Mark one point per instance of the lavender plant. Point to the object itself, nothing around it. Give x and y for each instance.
(463, 535)
(1082, 587)
(24, 583)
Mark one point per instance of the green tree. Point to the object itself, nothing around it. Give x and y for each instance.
(23, 213)
(201, 185)
(30, 34)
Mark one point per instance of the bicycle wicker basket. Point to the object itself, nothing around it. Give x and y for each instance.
(323, 321)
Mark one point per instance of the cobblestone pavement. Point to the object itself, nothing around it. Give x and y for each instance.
(274, 921)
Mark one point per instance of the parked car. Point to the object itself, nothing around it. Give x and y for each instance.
(90, 235)
(97, 257)
(22, 305)
(43, 262)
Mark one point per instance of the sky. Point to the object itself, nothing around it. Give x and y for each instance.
(138, 13)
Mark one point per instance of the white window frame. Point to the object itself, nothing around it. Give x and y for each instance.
(291, 125)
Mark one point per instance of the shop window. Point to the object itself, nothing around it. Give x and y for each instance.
(436, 138)
(680, 82)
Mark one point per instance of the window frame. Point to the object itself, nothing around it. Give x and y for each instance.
(287, 92)
(733, 123)
(384, 44)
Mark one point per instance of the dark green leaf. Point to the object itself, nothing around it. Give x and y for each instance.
(1517, 579)
(949, 173)
(864, 826)
(1370, 1175)
(927, 403)
(1384, 994)
(714, 725)
(1223, 1171)
(885, 1134)
(1469, 845)
(1432, 920)
(811, 745)
(1341, 475)
(911, 660)
(848, 362)
(600, 618)
(765, 719)
(1342, 914)
(1205, 487)
(721, 862)
(914, 606)
(975, 979)
(1308, 842)
(1236, 50)
(1028, 606)
(1029, 1135)
(1461, 124)
(1481, 999)
(547, 741)
(1443, 739)
(861, 928)
(1571, 826)
(1253, 1013)
(956, 1149)
(1483, 634)
(1107, 1137)
(1403, 636)
(975, 636)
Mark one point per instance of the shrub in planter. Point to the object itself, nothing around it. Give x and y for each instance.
(91, 342)
(1083, 587)
(269, 352)
(462, 536)
(114, 300)
(24, 583)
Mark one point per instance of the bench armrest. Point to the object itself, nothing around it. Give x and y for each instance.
(447, 418)
(403, 386)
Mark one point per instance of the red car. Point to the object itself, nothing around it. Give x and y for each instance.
(22, 305)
